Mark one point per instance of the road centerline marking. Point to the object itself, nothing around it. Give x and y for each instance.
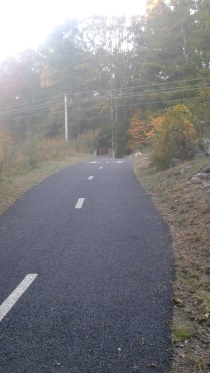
(16, 294)
(93, 162)
(100, 168)
(79, 203)
(90, 177)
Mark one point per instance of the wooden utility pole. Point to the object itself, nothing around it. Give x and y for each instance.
(66, 120)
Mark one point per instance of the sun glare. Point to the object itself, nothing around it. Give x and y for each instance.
(29, 23)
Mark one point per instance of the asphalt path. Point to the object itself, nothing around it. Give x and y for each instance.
(86, 272)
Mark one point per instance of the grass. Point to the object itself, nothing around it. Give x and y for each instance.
(185, 207)
(13, 185)
(180, 334)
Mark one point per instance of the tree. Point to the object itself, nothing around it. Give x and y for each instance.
(107, 66)
(137, 131)
(20, 81)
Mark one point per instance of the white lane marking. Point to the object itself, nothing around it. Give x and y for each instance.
(121, 161)
(93, 162)
(16, 294)
(107, 162)
(79, 203)
(100, 168)
(90, 177)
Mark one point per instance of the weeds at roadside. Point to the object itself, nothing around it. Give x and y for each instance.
(185, 207)
(24, 164)
(13, 185)
(180, 333)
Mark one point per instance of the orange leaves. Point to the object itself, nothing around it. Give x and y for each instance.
(176, 136)
(155, 124)
(172, 134)
(142, 131)
(137, 131)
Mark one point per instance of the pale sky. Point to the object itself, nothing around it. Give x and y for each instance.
(26, 23)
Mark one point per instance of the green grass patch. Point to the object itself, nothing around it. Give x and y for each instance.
(13, 186)
(180, 333)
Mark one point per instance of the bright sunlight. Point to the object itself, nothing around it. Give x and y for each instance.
(26, 24)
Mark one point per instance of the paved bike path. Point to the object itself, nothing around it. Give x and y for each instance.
(101, 300)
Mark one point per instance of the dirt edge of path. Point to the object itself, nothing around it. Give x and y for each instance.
(183, 199)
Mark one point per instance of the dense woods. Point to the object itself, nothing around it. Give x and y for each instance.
(112, 72)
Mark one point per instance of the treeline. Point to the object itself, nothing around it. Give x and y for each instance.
(110, 68)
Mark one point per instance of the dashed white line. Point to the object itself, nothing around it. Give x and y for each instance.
(100, 168)
(93, 162)
(16, 294)
(90, 177)
(79, 203)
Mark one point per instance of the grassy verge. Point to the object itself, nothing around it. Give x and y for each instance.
(184, 204)
(13, 186)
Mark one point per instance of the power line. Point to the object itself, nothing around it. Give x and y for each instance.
(55, 99)
(99, 98)
(132, 87)
(29, 108)
(23, 106)
(139, 104)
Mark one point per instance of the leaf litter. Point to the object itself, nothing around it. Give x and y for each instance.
(183, 199)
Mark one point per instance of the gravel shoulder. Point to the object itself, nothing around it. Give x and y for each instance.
(183, 201)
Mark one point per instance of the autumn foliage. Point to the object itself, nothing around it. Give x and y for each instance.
(137, 131)
(154, 127)
(176, 136)
(172, 134)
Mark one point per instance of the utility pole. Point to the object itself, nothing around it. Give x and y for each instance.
(112, 116)
(112, 124)
(207, 113)
(116, 119)
(66, 119)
